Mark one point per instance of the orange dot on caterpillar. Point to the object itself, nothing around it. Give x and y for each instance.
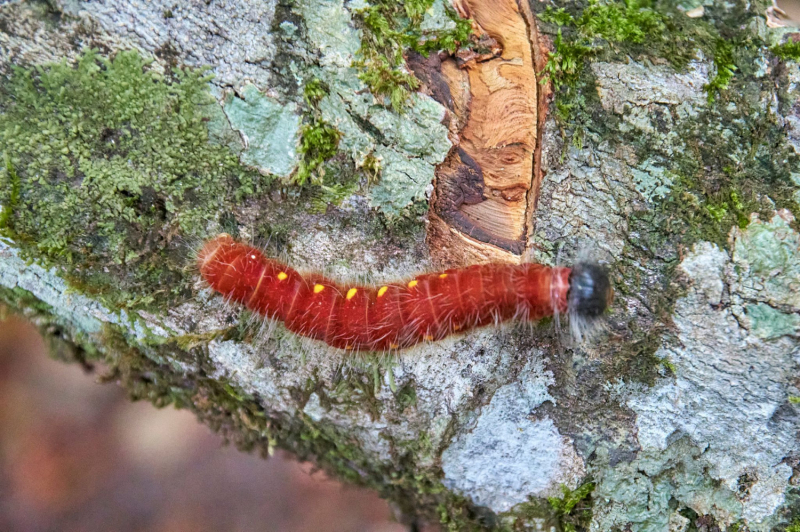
(400, 315)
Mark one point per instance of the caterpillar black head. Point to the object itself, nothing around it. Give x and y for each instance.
(590, 294)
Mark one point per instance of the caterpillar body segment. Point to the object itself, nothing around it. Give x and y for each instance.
(395, 316)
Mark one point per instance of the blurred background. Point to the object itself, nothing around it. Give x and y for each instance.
(784, 13)
(78, 456)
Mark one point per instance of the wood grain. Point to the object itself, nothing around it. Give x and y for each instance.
(485, 191)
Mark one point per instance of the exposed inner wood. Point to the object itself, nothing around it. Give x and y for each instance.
(485, 190)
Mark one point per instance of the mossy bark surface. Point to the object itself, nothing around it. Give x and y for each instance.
(132, 131)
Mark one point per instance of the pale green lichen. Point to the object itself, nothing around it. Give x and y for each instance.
(342, 108)
(766, 255)
(642, 495)
(330, 31)
(769, 323)
(271, 130)
(630, 22)
(404, 148)
(403, 182)
(652, 180)
(219, 127)
(437, 18)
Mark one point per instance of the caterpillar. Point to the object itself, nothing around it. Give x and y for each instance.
(396, 316)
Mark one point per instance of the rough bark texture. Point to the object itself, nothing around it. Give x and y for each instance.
(682, 414)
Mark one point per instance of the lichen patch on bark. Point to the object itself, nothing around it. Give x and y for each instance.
(270, 129)
(735, 410)
(231, 40)
(507, 456)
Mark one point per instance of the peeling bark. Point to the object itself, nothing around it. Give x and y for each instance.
(486, 189)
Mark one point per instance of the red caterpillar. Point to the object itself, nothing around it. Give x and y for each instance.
(399, 315)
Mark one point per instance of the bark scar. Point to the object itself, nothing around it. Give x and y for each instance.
(486, 189)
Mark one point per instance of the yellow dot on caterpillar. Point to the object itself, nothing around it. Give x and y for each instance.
(427, 337)
(382, 290)
(394, 346)
(351, 293)
(282, 276)
(348, 347)
(318, 288)
(413, 283)
(442, 275)
(456, 327)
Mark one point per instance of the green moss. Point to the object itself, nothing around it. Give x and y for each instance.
(319, 141)
(406, 396)
(12, 183)
(388, 29)
(112, 163)
(276, 235)
(329, 181)
(795, 526)
(735, 527)
(334, 194)
(371, 168)
(613, 22)
(574, 509)
(606, 29)
(720, 179)
(726, 69)
(187, 342)
(19, 298)
(355, 390)
(789, 51)
(669, 365)
(630, 21)
(385, 79)
(591, 32)
(572, 512)
(637, 359)
(314, 91)
(408, 223)
(565, 65)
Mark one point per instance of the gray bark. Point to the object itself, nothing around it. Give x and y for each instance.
(685, 405)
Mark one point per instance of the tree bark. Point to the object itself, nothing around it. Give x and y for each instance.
(645, 155)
